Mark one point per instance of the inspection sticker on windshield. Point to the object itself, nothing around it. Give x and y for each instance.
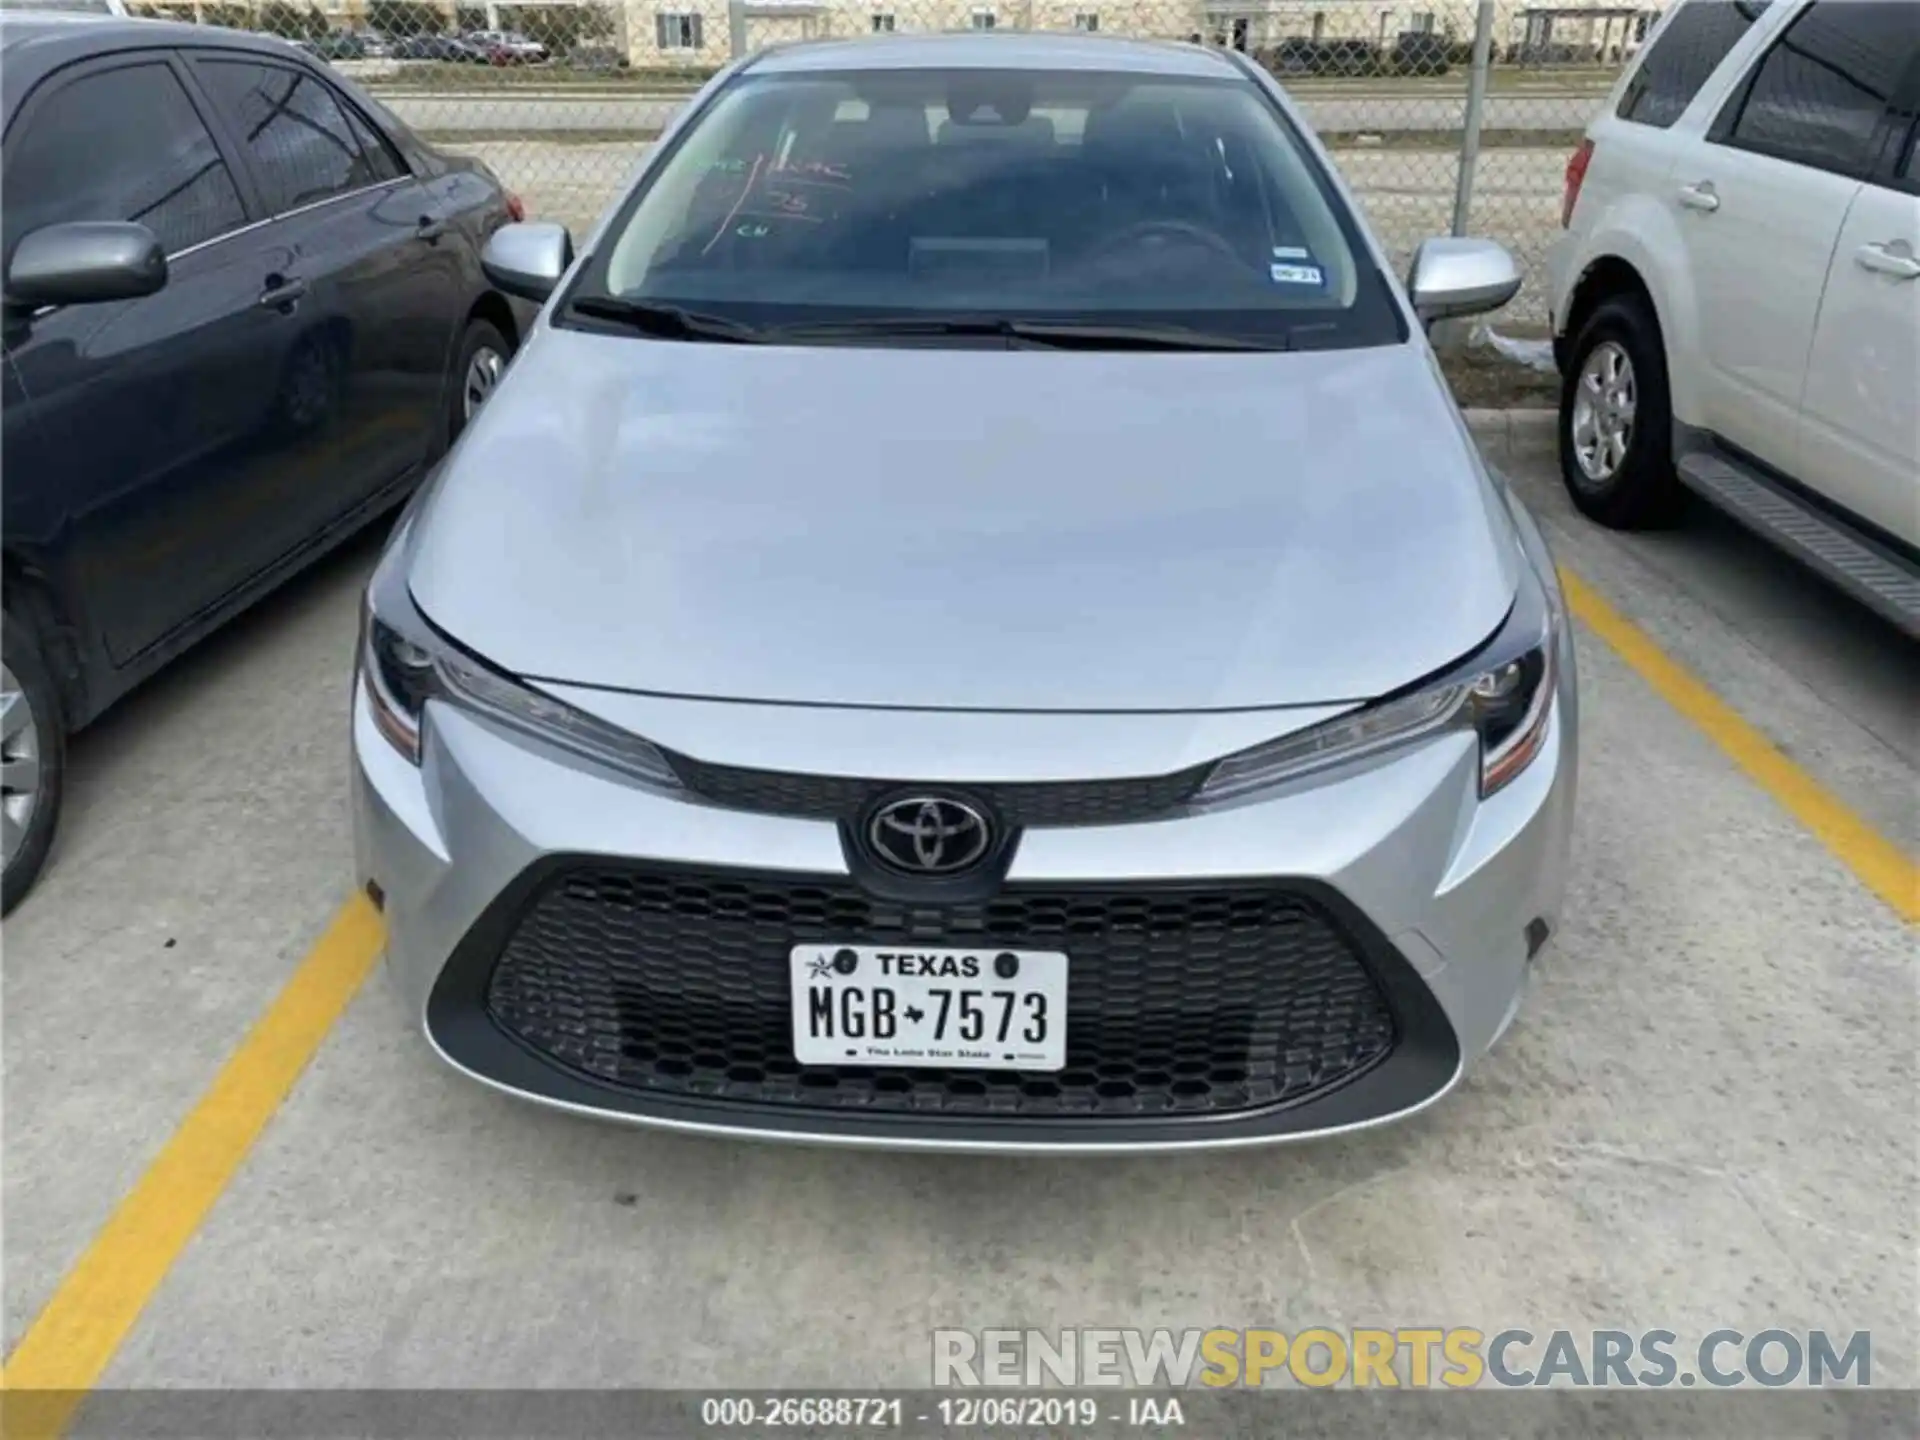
(1297, 274)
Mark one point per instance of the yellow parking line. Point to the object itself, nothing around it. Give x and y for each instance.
(74, 1338)
(1882, 866)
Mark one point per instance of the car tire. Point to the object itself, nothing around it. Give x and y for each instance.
(1616, 419)
(32, 745)
(480, 360)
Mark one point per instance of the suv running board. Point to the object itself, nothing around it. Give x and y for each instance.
(1868, 572)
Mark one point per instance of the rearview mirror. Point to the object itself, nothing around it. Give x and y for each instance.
(528, 259)
(84, 262)
(1453, 276)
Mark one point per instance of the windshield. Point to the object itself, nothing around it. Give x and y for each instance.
(850, 198)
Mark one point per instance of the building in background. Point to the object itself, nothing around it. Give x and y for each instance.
(1329, 37)
(1310, 37)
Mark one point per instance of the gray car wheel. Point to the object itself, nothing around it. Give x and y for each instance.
(32, 762)
(477, 369)
(484, 368)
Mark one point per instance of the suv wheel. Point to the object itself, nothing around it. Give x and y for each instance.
(32, 761)
(1616, 419)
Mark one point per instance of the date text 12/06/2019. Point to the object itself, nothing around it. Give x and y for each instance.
(956, 1411)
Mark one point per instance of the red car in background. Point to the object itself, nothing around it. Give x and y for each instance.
(507, 47)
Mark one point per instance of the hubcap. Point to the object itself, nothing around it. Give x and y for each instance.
(483, 373)
(19, 765)
(1604, 400)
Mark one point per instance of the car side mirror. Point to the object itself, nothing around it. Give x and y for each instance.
(1453, 276)
(527, 259)
(84, 262)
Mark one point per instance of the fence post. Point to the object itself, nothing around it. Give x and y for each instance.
(737, 27)
(1476, 110)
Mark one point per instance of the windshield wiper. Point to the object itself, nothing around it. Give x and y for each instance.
(1052, 334)
(671, 322)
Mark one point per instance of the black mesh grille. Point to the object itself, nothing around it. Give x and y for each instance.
(1180, 1002)
(838, 797)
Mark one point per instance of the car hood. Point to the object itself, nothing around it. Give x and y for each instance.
(966, 528)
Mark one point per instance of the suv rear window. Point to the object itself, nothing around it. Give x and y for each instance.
(1688, 48)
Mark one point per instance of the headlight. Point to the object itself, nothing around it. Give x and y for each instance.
(404, 662)
(1503, 692)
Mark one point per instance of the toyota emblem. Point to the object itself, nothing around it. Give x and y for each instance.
(923, 835)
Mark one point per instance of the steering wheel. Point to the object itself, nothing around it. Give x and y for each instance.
(1166, 233)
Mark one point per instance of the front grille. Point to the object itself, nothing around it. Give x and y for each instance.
(1037, 803)
(1179, 1001)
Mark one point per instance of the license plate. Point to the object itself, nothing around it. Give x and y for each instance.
(900, 1005)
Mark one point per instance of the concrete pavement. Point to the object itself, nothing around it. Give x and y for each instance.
(1704, 1116)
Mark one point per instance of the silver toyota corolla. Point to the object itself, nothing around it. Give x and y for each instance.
(973, 621)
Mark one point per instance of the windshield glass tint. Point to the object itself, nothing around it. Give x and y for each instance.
(1120, 198)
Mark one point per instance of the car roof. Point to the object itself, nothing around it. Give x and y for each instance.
(997, 50)
(35, 42)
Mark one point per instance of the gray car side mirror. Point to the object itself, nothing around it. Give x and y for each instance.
(528, 259)
(1454, 276)
(84, 262)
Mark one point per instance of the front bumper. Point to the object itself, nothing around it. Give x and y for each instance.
(1445, 899)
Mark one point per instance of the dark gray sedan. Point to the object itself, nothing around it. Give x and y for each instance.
(243, 310)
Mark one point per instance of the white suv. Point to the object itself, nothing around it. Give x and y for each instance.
(1736, 299)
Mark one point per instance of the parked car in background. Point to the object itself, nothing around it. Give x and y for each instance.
(337, 45)
(1421, 52)
(450, 48)
(1299, 55)
(243, 311)
(596, 57)
(492, 52)
(1736, 298)
(518, 49)
(348, 45)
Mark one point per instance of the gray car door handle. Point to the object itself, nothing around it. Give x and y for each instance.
(283, 295)
(429, 229)
(1700, 197)
(1885, 260)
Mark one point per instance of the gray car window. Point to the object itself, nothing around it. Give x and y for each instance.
(928, 192)
(385, 163)
(1685, 52)
(290, 123)
(1818, 95)
(120, 144)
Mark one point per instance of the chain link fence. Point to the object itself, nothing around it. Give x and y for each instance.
(562, 99)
